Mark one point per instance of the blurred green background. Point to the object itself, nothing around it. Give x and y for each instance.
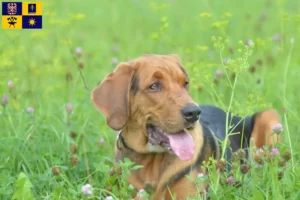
(47, 74)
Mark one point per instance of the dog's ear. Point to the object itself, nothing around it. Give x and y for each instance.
(111, 97)
(175, 58)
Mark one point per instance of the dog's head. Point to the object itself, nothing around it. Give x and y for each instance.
(148, 98)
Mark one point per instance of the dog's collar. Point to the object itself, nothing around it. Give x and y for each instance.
(121, 142)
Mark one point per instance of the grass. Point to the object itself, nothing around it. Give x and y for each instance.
(53, 152)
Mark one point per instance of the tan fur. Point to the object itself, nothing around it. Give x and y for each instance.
(261, 134)
(157, 169)
(111, 96)
(130, 113)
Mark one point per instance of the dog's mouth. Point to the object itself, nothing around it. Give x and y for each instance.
(181, 143)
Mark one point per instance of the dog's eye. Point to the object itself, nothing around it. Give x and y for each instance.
(186, 85)
(155, 87)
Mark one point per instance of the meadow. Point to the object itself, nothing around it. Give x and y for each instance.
(241, 55)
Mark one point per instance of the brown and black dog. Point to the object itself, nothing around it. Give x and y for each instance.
(147, 101)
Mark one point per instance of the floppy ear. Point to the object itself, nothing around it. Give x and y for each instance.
(175, 58)
(112, 95)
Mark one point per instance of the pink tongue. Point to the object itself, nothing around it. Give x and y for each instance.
(182, 144)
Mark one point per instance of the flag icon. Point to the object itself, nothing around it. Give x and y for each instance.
(22, 15)
(12, 22)
(32, 22)
(31, 8)
(11, 8)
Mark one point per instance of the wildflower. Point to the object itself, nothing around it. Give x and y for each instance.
(81, 64)
(231, 50)
(226, 60)
(130, 186)
(287, 155)
(69, 108)
(270, 59)
(78, 52)
(276, 37)
(284, 110)
(249, 43)
(259, 159)
(263, 16)
(220, 165)
(275, 152)
(233, 75)
(115, 48)
(252, 69)
(87, 189)
(10, 85)
(73, 148)
(55, 170)
(230, 180)
(216, 81)
(68, 76)
(234, 165)
(114, 61)
(30, 110)
(258, 81)
(259, 151)
(277, 128)
(266, 154)
(73, 134)
(235, 157)
(200, 88)
(227, 14)
(141, 193)
(101, 141)
(203, 48)
(73, 160)
(259, 62)
(241, 153)
(109, 198)
(205, 14)
(282, 163)
(200, 175)
(4, 100)
(244, 168)
(219, 73)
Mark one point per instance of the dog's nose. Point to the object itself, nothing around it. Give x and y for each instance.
(191, 113)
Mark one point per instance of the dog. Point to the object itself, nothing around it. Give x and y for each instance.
(163, 129)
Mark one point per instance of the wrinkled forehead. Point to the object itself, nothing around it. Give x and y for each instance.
(165, 67)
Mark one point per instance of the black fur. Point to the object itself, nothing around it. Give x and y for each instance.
(213, 122)
(215, 119)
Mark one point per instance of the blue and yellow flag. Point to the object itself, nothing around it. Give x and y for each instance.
(22, 15)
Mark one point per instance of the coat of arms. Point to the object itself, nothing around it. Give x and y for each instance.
(11, 8)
